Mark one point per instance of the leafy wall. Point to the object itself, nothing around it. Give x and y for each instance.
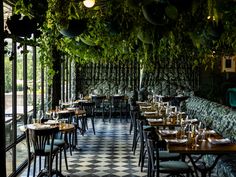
(113, 78)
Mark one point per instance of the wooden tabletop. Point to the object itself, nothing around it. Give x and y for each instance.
(62, 127)
(203, 147)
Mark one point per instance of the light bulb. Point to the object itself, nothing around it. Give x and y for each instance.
(89, 3)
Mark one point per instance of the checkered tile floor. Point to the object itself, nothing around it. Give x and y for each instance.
(106, 154)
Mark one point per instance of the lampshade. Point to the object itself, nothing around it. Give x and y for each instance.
(89, 3)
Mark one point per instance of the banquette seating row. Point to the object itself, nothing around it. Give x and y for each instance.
(222, 119)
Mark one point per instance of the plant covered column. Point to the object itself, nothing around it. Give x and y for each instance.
(56, 80)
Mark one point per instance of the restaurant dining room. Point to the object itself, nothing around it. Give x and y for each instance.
(118, 88)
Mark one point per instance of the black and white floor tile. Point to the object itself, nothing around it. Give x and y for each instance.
(106, 154)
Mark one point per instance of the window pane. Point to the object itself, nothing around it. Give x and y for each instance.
(21, 152)
(8, 92)
(20, 96)
(9, 159)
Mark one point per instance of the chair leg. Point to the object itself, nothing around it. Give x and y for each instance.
(110, 115)
(131, 127)
(103, 117)
(28, 170)
(60, 160)
(70, 144)
(40, 159)
(34, 166)
(65, 157)
(92, 120)
(143, 159)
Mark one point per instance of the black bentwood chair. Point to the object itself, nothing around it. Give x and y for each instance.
(42, 142)
(89, 107)
(99, 105)
(156, 166)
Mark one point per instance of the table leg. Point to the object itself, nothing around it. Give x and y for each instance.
(204, 170)
(44, 173)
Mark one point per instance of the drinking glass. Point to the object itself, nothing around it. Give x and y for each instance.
(55, 115)
(202, 130)
(40, 116)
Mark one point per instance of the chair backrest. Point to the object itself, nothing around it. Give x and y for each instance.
(39, 138)
(89, 108)
(116, 101)
(154, 145)
(98, 100)
(151, 152)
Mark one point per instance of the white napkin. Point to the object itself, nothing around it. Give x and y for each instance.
(38, 126)
(145, 107)
(219, 141)
(210, 132)
(177, 141)
(154, 120)
(191, 120)
(71, 109)
(50, 122)
(150, 112)
(168, 132)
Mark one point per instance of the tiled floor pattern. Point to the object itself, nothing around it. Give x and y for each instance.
(106, 154)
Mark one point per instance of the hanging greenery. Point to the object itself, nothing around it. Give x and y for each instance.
(120, 30)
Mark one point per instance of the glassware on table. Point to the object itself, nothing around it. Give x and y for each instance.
(81, 97)
(60, 104)
(194, 135)
(40, 116)
(55, 115)
(57, 108)
(62, 123)
(202, 131)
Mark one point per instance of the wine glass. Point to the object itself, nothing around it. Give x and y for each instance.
(40, 116)
(55, 115)
(202, 130)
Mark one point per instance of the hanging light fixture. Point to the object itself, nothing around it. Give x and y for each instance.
(89, 3)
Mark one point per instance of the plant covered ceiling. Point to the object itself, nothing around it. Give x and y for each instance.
(119, 30)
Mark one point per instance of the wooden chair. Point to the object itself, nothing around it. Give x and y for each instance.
(99, 105)
(42, 142)
(89, 107)
(116, 105)
(156, 166)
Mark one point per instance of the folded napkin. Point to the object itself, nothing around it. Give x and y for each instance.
(168, 132)
(71, 109)
(191, 120)
(154, 120)
(150, 112)
(83, 101)
(38, 126)
(141, 102)
(182, 112)
(176, 141)
(219, 141)
(145, 107)
(50, 122)
(63, 111)
(210, 132)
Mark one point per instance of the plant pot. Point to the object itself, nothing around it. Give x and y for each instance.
(145, 35)
(213, 31)
(74, 28)
(21, 27)
(154, 13)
